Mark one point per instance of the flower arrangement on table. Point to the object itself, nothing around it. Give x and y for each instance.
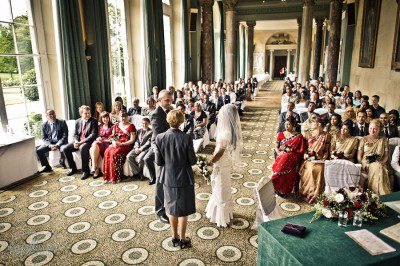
(337, 155)
(372, 157)
(350, 200)
(203, 168)
(311, 156)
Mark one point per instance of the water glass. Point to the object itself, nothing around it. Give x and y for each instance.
(358, 219)
(343, 218)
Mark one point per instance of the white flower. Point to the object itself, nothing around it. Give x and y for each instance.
(327, 213)
(339, 198)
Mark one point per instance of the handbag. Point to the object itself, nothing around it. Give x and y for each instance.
(294, 229)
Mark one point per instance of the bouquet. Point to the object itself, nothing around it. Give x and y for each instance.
(337, 155)
(349, 200)
(114, 139)
(310, 156)
(203, 169)
(372, 157)
(286, 149)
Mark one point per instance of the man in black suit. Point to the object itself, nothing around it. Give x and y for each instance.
(188, 125)
(140, 148)
(86, 131)
(388, 131)
(378, 110)
(159, 125)
(361, 128)
(217, 100)
(331, 111)
(285, 115)
(310, 111)
(135, 109)
(209, 107)
(54, 135)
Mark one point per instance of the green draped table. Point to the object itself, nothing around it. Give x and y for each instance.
(325, 243)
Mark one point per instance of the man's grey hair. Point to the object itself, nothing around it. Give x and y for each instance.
(163, 94)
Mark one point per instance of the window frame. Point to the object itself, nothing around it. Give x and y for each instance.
(167, 11)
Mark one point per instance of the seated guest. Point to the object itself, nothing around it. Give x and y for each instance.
(123, 137)
(217, 100)
(349, 114)
(306, 125)
(209, 107)
(86, 131)
(395, 163)
(140, 148)
(54, 135)
(154, 93)
(285, 115)
(388, 130)
(327, 101)
(348, 102)
(151, 106)
(394, 118)
(312, 181)
(173, 92)
(177, 176)
(289, 96)
(135, 109)
(315, 98)
(373, 155)
(333, 127)
(249, 92)
(190, 106)
(362, 107)
(335, 91)
(115, 113)
(303, 98)
(102, 142)
(310, 110)
(378, 110)
(226, 98)
(331, 111)
(370, 111)
(361, 127)
(119, 99)
(188, 125)
(231, 94)
(200, 121)
(357, 98)
(345, 146)
(99, 106)
(180, 96)
(291, 147)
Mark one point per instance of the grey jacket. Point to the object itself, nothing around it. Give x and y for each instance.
(175, 155)
(158, 123)
(143, 142)
(62, 133)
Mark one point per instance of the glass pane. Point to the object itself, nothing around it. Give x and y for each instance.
(6, 39)
(23, 36)
(5, 11)
(166, 21)
(166, 2)
(9, 71)
(13, 96)
(119, 86)
(28, 71)
(168, 70)
(20, 10)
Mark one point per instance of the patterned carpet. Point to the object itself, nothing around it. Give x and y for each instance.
(60, 220)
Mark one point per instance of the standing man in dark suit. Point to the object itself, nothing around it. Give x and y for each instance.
(86, 131)
(141, 147)
(388, 131)
(54, 135)
(159, 125)
(361, 128)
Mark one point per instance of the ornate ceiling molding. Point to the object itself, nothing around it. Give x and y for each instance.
(229, 5)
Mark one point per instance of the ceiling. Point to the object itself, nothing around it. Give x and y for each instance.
(287, 24)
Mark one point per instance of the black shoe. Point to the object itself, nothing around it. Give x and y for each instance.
(175, 241)
(163, 218)
(62, 164)
(142, 177)
(46, 169)
(84, 176)
(72, 171)
(187, 243)
(152, 181)
(98, 175)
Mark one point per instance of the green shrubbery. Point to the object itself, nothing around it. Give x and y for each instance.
(35, 125)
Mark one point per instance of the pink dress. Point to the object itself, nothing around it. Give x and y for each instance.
(104, 134)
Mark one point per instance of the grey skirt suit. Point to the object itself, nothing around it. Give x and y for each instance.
(175, 156)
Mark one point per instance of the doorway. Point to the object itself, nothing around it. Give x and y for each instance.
(280, 61)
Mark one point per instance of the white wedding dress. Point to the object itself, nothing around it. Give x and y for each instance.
(220, 206)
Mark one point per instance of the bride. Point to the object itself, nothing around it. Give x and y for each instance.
(228, 146)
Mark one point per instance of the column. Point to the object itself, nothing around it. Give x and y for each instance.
(288, 61)
(230, 45)
(271, 64)
(305, 45)
(298, 45)
(207, 40)
(250, 47)
(335, 18)
(317, 47)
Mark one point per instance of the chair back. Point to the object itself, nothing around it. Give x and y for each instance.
(341, 173)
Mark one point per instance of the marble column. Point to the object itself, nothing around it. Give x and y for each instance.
(271, 64)
(305, 45)
(317, 47)
(207, 40)
(288, 61)
(250, 47)
(298, 45)
(230, 44)
(335, 18)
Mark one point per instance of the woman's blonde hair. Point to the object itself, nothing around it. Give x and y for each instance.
(377, 123)
(114, 105)
(175, 118)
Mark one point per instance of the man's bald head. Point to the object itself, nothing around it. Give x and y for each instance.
(165, 98)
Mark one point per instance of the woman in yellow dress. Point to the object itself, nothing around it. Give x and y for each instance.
(305, 127)
(312, 181)
(345, 145)
(349, 114)
(333, 127)
(373, 155)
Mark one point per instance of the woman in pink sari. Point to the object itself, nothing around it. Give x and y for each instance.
(291, 148)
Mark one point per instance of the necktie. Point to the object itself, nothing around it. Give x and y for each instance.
(362, 131)
(387, 132)
(53, 132)
(83, 131)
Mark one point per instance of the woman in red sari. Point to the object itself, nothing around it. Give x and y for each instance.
(291, 148)
(123, 137)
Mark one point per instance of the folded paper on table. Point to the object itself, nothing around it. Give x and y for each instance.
(395, 205)
(370, 242)
(392, 232)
